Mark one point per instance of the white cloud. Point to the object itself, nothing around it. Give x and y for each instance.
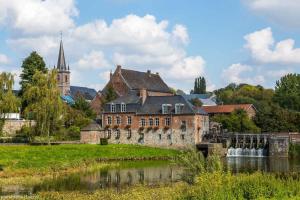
(187, 69)
(138, 42)
(36, 16)
(180, 33)
(239, 73)
(283, 12)
(264, 49)
(4, 59)
(93, 60)
(278, 73)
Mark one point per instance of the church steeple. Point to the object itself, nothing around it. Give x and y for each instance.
(63, 75)
(61, 62)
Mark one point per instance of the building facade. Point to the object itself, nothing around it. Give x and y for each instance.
(168, 121)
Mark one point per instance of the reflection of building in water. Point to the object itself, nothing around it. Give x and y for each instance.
(126, 177)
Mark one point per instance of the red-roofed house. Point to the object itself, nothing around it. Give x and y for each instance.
(227, 109)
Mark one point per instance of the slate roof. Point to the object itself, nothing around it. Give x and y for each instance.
(93, 126)
(87, 93)
(153, 105)
(144, 80)
(61, 62)
(226, 108)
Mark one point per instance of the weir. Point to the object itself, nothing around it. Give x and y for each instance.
(256, 145)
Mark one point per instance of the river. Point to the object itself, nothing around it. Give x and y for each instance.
(149, 173)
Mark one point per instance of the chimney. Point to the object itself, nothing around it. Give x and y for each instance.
(118, 70)
(110, 75)
(143, 95)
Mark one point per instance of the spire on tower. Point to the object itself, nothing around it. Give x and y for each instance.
(61, 62)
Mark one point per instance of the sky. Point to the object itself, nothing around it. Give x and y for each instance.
(236, 41)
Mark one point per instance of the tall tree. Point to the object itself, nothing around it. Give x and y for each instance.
(287, 92)
(8, 101)
(44, 102)
(34, 62)
(199, 85)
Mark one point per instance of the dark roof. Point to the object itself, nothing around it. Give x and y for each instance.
(130, 98)
(153, 105)
(87, 93)
(144, 80)
(93, 126)
(61, 61)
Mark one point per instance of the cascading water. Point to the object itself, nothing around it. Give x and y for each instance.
(239, 152)
(248, 145)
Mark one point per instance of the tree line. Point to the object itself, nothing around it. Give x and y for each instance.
(39, 100)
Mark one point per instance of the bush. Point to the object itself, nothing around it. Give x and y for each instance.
(73, 133)
(103, 141)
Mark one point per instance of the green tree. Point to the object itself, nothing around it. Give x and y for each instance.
(196, 102)
(82, 105)
(199, 85)
(238, 121)
(44, 102)
(8, 101)
(34, 62)
(110, 95)
(287, 92)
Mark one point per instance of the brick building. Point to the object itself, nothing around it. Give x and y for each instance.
(154, 120)
(125, 81)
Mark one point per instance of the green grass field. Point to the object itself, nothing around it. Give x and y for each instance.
(54, 158)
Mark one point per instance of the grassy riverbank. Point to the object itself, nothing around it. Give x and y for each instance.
(212, 186)
(41, 160)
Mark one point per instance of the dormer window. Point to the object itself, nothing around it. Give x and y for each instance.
(123, 107)
(179, 108)
(112, 108)
(166, 108)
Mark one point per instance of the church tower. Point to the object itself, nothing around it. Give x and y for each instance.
(63, 76)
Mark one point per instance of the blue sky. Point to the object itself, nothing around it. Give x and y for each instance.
(241, 41)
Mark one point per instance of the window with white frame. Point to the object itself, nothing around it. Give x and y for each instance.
(108, 134)
(109, 120)
(166, 108)
(179, 108)
(167, 121)
(156, 121)
(143, 122)
(113, 108)
(129, 120)
(150, 122)
(123, 107)
(118, 120)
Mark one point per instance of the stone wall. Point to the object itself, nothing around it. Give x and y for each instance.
(278, 146)
(91, 137)
(10, 127)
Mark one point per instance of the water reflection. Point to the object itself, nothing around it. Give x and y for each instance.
(266, 164)
(102, 179)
